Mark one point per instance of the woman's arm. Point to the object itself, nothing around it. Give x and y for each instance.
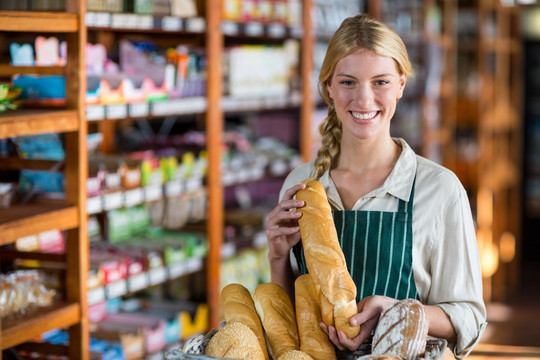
(283, 233)
(440, 325)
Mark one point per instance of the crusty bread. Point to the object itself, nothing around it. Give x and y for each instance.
(235, 341)
(238, 305)
(402, 330)
(378, 357)
(325, 260)
(278, 319)
(313, 340)
(296, 355)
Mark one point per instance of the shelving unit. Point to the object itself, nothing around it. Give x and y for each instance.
(428, 30)
(69, 214)
(490, 115)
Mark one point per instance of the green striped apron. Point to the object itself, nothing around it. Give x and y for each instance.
(378, 250)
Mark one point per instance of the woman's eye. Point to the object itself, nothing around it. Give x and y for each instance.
(381, 82)
(346, 82)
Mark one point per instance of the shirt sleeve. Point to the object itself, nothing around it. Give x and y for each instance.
(301, 172)
(456, 274)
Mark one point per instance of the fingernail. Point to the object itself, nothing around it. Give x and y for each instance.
(354, 322)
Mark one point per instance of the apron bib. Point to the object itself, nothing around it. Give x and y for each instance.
(378, 250)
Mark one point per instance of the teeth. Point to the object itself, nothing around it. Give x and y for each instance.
(365, 116)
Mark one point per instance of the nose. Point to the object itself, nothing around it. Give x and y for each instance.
(363, 95)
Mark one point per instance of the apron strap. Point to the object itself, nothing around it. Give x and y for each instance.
(407, 206)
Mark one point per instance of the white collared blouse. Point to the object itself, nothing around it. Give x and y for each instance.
(446, 262)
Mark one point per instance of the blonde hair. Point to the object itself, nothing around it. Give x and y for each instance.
(358, 32)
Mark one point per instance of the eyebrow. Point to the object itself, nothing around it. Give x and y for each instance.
(374, 77)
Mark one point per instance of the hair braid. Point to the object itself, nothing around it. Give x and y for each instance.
(330, 130)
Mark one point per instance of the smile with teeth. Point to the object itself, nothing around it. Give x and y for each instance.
(364, 116)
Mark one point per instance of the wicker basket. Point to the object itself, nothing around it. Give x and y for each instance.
(194, 349)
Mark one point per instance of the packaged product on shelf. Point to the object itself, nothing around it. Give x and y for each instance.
(23, 291)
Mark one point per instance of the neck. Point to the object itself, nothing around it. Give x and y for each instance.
(366, 155)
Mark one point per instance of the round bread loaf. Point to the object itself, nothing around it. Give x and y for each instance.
(295, 355)
(378, 357)
(402, 330)
(235, 341)
(238, 305)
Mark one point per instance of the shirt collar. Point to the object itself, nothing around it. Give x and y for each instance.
(398, 183)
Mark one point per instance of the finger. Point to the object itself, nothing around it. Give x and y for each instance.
(333, 336)
(278, 232)
(289, 194)
(350, 344)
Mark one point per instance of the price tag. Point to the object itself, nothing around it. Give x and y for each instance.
(140, 109)
(196, 25)
(95, 295)
(160, 108)
(113, 201)
(230, 28)
(119, 21)
(116, 111)
(102, 19)
(137, 282)
(116, 289)
(153, 192)
(93, 205)
(90, 19)
(145, 22)
(173, 188)
(177, 270)
(254, 29)
(157, 275)
(131, 21)
(228, 250)
(133, 197)
(276, 30)
(194, 265)
(95, 112)
(171, 23)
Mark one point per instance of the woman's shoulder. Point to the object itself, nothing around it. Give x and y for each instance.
(432, 173)
(301, 172)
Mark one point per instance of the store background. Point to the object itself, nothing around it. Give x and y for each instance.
(167, 227)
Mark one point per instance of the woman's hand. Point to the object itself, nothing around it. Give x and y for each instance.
(282, 229)
(369, 310)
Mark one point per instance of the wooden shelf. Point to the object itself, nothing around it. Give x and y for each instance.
(23, 220)
(25, 21)
(21, 329)
(33, 122)
(7, 69)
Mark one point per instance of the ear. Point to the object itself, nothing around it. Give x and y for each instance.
(329, 89)
(402, 83)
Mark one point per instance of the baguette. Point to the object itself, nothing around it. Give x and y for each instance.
(325, 260)
(238, 305)
(278, 319)
(313, 340)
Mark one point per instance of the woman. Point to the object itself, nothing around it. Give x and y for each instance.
(404, 222)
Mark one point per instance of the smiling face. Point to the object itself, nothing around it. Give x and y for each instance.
(365, 88)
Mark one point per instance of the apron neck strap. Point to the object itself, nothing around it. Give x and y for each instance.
(406, 206)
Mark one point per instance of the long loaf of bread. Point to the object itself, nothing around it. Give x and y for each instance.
(238, 305)
(325, 260)
(277, 316)
(313, 340)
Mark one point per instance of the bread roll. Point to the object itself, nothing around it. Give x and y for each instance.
(313, 340)
(238, 305)
(296, 355)
(325, 260)
(278, 319)
(402, 330)
(234, 341)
